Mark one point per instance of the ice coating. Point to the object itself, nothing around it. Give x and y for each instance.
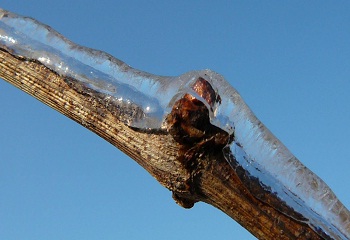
(264, 157)
(254, 148)
(97, 70)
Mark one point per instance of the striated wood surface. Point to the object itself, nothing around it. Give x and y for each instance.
(209, 179)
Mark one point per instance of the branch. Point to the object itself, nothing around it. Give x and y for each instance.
(193, 133)
(210, 178)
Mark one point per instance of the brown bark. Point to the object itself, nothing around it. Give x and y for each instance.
(208, 177)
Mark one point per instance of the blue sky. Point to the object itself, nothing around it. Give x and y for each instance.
(289, 61)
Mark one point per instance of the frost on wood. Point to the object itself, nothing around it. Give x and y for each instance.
(145, 101)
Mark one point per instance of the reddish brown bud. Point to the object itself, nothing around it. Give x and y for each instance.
(203, 88)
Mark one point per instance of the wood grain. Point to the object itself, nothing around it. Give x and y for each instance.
(209, 179)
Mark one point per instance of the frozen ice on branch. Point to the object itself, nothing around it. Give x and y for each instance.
(142, 100)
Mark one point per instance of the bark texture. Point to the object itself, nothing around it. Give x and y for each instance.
(192, 172)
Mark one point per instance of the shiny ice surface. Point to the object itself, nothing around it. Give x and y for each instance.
(261, 154)
(97, 70)
(264, 157)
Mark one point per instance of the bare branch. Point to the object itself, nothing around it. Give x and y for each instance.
(193, 133)
(209, 178)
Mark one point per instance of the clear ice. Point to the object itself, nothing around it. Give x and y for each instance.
(254, 148)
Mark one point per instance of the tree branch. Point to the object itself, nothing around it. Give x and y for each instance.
(209, 179)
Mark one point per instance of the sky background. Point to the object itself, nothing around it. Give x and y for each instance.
(288, 59)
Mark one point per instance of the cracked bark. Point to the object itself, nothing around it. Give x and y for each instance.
(207, 178)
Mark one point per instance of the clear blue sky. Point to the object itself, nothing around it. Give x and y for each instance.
(289, 60)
